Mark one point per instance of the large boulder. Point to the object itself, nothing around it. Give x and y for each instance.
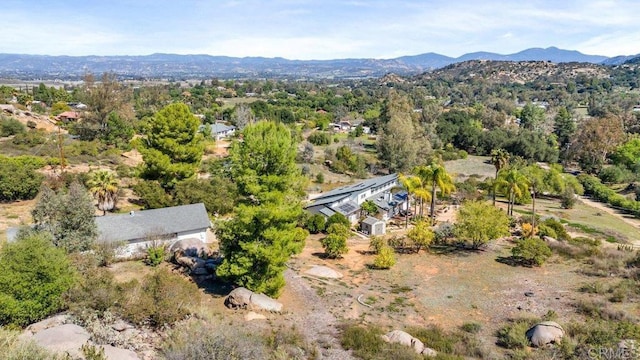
(246, 299)
(47, 323)
(404, 338)
(189, 247)
(239, 298)
(544, 333)
(323, 272)
(263, 302)
(114, 353)
(67, 338)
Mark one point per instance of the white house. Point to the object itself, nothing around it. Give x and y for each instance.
(219, 130)
(346, 200)
(139, 229)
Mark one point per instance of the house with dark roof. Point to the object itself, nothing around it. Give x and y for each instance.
(139, 229)
(346, 200)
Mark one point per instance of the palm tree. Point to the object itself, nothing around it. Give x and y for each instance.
(417, 189)
(104, 186)
(514, 184)
(499, 159)
(535, 176)
(437, 177)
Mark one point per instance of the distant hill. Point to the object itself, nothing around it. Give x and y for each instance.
(172, 66)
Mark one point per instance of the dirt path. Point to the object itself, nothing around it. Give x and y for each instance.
(313, 319)
(600, 206)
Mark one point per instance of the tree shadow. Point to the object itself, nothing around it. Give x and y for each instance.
(514, 261)
(212, 286)
(454, 250)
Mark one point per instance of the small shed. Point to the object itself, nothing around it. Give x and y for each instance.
(373, 226)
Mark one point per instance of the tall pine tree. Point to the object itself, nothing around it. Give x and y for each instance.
(264, 233)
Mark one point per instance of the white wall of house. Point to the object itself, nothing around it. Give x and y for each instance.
(134, 249)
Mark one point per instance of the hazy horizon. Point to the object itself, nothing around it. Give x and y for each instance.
(317, 30)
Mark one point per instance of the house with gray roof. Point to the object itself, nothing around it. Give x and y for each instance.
(138, 229)
(346, 200)
(219, 130)
(135, 231)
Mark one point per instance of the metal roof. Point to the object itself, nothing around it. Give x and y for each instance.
(371, 221)
(141, 224)
(358, 187)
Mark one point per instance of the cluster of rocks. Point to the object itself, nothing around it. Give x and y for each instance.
(60, 337)
(192, 254)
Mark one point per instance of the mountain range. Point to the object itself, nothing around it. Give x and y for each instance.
(172, 66)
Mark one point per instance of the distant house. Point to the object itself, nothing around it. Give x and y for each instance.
(346, 200)
(219, 130)
(138, 229)
(372, 226)
(134, 231)
(68, 116)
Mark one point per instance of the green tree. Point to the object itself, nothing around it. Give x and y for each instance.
(104, 187)
(514, 184)
(68, 215)
(335, 243)
(397, 144)
(369, 208)
(152, 195)
(34, 275)
(421, 235)
(316, 223)
(437, 176)
(595, 139)
(338, 218)
(262, 236)
(499, 159)
(217, 193)
(535, 176)
(479, 222)
(173, 148)
(628, 154)
(118, 130)
(531, 116)
(564, 127)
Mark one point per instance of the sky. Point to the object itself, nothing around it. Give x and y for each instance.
(317, 29)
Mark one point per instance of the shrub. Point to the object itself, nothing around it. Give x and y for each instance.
(34, 275)
(156, 254)
(316, 223)
(528, 230)
(376, 243)
(385, 259)
(335, 243)
(443, 233)
(471, 327)
(512, 336)
(557, 227)
(320, 178)
(338, 218)
(96, 290)
(366, 343)
(615, 175)
(545, 230)
(18, 178)
(532, 251)
(30, 138)
(10, 126)
(161, 299)
(319, 138)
